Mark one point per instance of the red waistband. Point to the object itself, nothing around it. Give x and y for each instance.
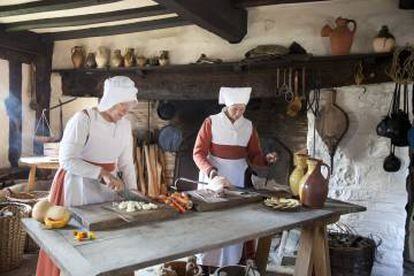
(106, 166)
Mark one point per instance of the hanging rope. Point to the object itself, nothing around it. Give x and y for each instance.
(402, 67)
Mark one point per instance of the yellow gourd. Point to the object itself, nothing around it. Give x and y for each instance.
(40, 209)
(57, 217)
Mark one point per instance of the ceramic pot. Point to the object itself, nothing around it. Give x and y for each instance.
(90, 61)
(384, 42)
(129, 58)
(78, 57)
(164, 58)
(313, 189)
(102, 57)
(141, 61)
(341, 37)
(117, 60)
(298, 172)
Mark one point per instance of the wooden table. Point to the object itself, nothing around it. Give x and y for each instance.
(129, 249)
(35, 162)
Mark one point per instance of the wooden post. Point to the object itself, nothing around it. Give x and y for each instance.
(262, 254)
(43, 65)
(14, 111)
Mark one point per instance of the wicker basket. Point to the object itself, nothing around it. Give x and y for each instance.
(351, 254)
(12, 235)
(29, 198)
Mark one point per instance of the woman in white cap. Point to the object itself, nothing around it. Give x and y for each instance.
(96, 145)
(226, 143)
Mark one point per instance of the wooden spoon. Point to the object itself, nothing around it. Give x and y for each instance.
(296, 105)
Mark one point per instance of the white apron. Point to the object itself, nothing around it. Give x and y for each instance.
(104, 144)
(226, 133)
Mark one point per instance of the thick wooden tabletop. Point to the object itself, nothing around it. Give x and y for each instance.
(137, 247)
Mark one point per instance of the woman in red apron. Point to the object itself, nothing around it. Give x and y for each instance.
(96, 144)
(225, 144)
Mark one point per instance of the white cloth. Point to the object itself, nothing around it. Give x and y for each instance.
(97, 140)
(224, 132)
(236, 134)
(117, 90)
(234, 95)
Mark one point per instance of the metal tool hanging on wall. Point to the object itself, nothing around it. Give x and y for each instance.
(41, 135)
(332, 124)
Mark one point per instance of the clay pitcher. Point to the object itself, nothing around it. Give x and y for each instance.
(313, 189)
(341, 37)
(78, 56)
(90, 61)
(102, 57)
(129, 58)
(298, 172)
(117, 60)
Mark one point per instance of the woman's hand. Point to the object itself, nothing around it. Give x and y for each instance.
(218, 184)
(111, 181)
(271, 157)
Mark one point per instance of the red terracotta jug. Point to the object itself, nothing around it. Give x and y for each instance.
(313, 190)
(341, 37)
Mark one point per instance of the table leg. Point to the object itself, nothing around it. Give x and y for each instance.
(262, 253)
(313, 252)
(304, 262)
(321, 252)
(32, 178)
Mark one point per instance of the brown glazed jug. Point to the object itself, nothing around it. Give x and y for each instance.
(341, 37)
(313, 190)
(78, 57)
(129, 58)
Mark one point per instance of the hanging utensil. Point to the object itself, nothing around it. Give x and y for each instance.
(277, 93)
(296, 104)
(332, 124)
(289, 91)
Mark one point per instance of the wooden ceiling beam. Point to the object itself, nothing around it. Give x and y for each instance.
(217, 16)
(24, 42)
(49, 5)
(119, 29)
(255, 3)
(88, 19)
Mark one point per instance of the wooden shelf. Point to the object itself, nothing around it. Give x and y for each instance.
(202, 81)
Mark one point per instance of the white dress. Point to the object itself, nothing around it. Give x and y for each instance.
(92, 138)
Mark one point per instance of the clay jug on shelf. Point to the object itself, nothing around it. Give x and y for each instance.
(102, 57)
(78, 56)
(117, 60)
(90, 61)
(384, 42)
(341, 37)
(314, 187)
(298, 172)
(129, 58)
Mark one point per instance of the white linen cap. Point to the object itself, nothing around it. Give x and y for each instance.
(234, 95)
(117, 90)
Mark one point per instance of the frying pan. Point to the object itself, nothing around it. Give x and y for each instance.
(166, 110)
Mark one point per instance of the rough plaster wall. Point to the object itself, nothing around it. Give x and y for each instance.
(28, 113)
(268, 24)
(4, 119)
(359, 177)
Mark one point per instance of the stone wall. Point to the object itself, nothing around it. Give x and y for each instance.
(358, 175)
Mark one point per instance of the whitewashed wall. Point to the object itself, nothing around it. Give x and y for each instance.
(4, 119)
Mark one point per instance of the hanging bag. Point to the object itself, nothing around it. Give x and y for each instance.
(392, 163)
(400, 121)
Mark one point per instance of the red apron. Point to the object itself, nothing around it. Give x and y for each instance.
(45, 266)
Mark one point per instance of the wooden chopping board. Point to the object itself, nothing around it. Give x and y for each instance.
(104, 216)
(231, 199)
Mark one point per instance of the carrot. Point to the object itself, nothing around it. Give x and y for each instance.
(177, 206)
